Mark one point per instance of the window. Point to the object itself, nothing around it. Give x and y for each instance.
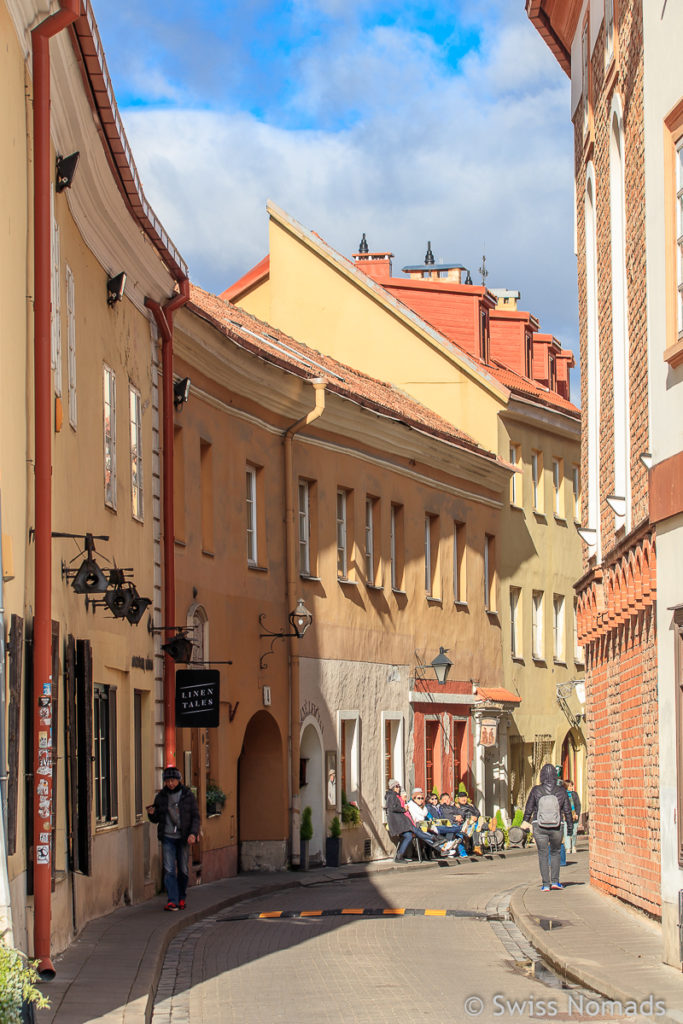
(432, 752)
(109, 437)
(537, 625)
(396, 547)
(304, 528)
(56, 324)
(342, 535)
(578, 650)
(252, 524)
(515, 479)
(71, 346)
(105, 764)
(537, 481)
(558, 628)
(178, 484)
(206, 494)
(679, 235)
(552, 372)
(483, 336)
(609, 30)
(592, 366)
(489, 573)
(584, 74)
(371, 540)
(515, 635)
(136, 453)
(137, 751)
(459, 563)
(393, 766)
(557, 488)
(678, 668)
(528, 355)
(620, 337)
(576, 492)
(432, 556)
(349, 754)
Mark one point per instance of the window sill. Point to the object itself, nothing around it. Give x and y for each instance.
(562, 664)
(253, 567)
(397, 590)
(434, 600)
(346, 582)
(611, 73)
(373, 586)
(538, 659)
(560, 519)
(179, 543)
(492, 614)
(673, 355)
(209, 554)
(106, 826)
(518, 659)
(110, 508)
(307, 576)
(462, 604)
(579, 663)
(516, 506)
(540, 516)
(138, 519)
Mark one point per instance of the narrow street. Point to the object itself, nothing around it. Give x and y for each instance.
(451, 953)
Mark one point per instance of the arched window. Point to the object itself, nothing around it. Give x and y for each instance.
(593, 363)
(620, 358)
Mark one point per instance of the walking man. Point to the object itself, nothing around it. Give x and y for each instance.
(547, 805)
(176, 815)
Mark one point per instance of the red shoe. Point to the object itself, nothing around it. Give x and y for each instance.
(181, 905)
(170, 906)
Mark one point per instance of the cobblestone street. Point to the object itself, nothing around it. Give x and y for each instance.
(380, 967)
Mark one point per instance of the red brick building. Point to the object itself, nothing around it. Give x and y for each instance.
(599, 44)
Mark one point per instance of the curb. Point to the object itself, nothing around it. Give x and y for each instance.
(568, 969)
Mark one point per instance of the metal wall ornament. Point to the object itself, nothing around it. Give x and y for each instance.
(300, 620)
(118, 593)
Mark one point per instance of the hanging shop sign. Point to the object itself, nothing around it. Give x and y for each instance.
(197, 698)
(488, 736)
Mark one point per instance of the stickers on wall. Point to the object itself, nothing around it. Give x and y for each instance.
(45, 837)
(43, 740)
(47, 689)
(42, 854)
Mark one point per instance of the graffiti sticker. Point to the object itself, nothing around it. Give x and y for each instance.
(45, 837)
(43, 740)
(47, 689)
(43, 854)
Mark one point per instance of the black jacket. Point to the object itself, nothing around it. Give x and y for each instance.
(573, 795)
(397, 819)
(190, 822)
(466, 811)
(549, 785)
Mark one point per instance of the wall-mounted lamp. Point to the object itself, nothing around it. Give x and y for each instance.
(441, 665)
(66, 170)
(138, 607)
(88, 578)
(116, 286)
(300, 619)
(181, 392)
(179, 648)
(588, 535)
(118, 597)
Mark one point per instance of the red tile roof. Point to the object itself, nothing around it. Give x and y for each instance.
(498, 694)
(257, 273)
(278, 348)
(530, 389)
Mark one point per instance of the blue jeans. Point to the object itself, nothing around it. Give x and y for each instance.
(175, 856)
(549, 844)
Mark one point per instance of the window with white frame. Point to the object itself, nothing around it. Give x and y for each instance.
(459, 562)
(578, 650)
(576, 492)
(537, 481)
(557, 488)
(489, 573)
(71, 346)
(537, 625)
(515, 634)
(431, 555)
(593, 440)
(396, 546)
(609, 30)
(584, 74)
(342, 535)
(558, 628)
(109, 437)
(349, 754)
(371, 544)
(105, 766)
(56, 324)
(393, 764)
(516, 478)
(304, 528)
(252, 522)
(136, 453)
(679, 233)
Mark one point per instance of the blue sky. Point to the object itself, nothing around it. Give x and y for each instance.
(411, 122)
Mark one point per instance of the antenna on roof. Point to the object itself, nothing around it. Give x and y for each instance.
(429, 257)
(363, 247)
(483, 271)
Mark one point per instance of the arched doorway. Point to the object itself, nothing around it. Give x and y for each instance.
(311, 786)
(262, 804)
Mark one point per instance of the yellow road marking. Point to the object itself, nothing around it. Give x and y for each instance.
(311, 913)
(394, 910)
(435, 913)
(271, 913)
(353, 910)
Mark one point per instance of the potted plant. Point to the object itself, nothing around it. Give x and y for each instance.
(333, 844)
(305, 835)
(215, 798)
(18, 992)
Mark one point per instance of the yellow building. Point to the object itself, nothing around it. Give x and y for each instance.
(298, 477)
(462, 365)
(80, 430)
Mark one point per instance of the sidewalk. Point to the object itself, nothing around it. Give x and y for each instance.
(593, 940)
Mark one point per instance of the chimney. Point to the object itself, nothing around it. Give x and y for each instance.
(376, 265)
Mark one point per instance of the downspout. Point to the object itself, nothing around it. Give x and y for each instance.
(292, 597)
(164, 321)
(5, 901)
(42, 618)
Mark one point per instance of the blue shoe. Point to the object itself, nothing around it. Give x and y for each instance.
(462, 852)
(545, 888)
(557, 885)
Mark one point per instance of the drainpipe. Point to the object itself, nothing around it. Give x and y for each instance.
(42, 619)
(164, 321)
(292, 597)
(5, 901)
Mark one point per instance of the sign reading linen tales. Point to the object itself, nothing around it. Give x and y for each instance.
(197, 693)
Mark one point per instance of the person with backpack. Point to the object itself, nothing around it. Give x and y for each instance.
(547, 805)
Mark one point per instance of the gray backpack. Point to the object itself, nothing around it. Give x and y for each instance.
(548, 811)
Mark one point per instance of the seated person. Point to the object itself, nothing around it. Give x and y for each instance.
(419, 814)
(468, 816)
(449, 829)
(400, 823)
